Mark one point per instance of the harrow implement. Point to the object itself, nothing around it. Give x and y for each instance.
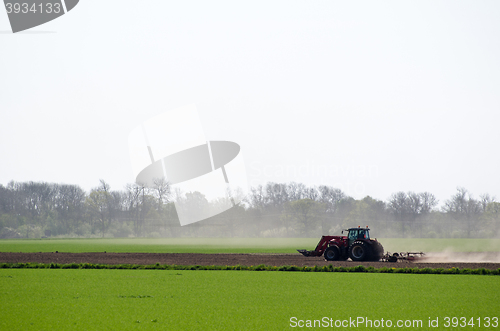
(403, 256)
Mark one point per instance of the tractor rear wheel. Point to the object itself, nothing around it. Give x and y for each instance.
(377, 251)
(332, 253)
(359, 251)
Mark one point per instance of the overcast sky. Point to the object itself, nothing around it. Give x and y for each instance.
(373, 97)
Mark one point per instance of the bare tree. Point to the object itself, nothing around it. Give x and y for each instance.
(311, 193)
(100, 203)
(161, 188)
(306, 213)
(257, 198)
(296, 191)
(276, 195)
(330, 198)
(398, 205)
(429, 201)
(485, 200)
(464, 208)
(138, 201)
(133, 201)
(162, 191)
(69, 203)
(97, 206)
(407, 208)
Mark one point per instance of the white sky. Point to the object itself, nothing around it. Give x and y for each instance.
(372, 97)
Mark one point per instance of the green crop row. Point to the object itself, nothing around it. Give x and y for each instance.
(261, 267)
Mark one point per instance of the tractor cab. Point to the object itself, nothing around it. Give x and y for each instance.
(357, 246)
(357, 234)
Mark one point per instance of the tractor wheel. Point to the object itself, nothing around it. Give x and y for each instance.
(359, 251)
(332, 253)
(377, 251)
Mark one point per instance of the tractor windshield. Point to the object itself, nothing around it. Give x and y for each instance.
(359, 234)
(353, 235)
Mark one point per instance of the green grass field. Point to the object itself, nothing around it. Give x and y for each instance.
(234, 300)
(48, 299)
(231, 245)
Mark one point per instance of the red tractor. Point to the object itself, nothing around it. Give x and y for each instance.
(357, 245)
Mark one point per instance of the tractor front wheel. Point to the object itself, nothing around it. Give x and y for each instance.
(359, 251)
(332, 253)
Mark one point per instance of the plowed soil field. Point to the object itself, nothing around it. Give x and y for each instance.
(240, 259)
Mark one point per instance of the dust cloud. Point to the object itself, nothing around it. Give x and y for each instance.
(471, 257)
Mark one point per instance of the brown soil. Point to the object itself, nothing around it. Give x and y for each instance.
(222, 259)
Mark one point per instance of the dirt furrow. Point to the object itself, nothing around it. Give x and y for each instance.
(222, 259)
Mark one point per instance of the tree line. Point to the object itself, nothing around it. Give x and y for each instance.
(39, 209)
